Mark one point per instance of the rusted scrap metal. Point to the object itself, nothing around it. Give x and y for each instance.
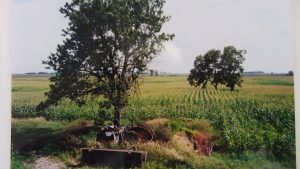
(140, 132)
(109, 134)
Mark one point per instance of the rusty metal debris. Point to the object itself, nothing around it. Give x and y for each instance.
(129, 133)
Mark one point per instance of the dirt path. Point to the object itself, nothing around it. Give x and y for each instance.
(45, 162)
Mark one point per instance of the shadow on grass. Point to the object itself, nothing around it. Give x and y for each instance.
(39, 140)
(38, 136)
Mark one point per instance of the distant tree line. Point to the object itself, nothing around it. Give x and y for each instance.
(39, 73)
(218, 68)
(153, 72)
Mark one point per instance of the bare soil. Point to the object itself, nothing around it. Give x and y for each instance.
(45, 162)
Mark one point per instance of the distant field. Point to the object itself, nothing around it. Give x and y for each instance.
(156, 92)
(167, 85)
(259, 116)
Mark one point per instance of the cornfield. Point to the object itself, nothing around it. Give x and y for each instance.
(260, 115)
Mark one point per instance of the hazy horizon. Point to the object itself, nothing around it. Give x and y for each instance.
(263, 28)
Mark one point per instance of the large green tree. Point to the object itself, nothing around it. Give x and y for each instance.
(230, 67)
(218, 67)
(204, 68)
(108, 43)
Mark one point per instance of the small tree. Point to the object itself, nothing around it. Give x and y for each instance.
(290, 73)
(151, 72)
(108, 44)
(218, 68)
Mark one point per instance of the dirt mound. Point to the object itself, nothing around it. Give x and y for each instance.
(182, 143)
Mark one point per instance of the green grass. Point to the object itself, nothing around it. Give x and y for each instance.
(19, 161)
(27, 89)
(273, 80)
(35, 134)
(16, 161)
(255, 123)
(276, 82)
(253, 160)
(43, 136)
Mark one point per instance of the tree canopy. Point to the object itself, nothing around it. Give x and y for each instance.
(108, 43)
(218, 67)
(204, 68)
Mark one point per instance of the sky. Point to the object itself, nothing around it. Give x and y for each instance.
(262, 27)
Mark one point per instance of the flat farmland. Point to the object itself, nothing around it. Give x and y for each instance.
(172, 93)
(258, 117)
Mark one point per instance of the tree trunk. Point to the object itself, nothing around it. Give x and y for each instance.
(232, 88)
(216, 86)
(117, 116)
(204, 85)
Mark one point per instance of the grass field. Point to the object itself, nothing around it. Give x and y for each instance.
(255, 125)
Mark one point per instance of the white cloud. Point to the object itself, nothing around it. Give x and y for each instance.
(170, 60)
